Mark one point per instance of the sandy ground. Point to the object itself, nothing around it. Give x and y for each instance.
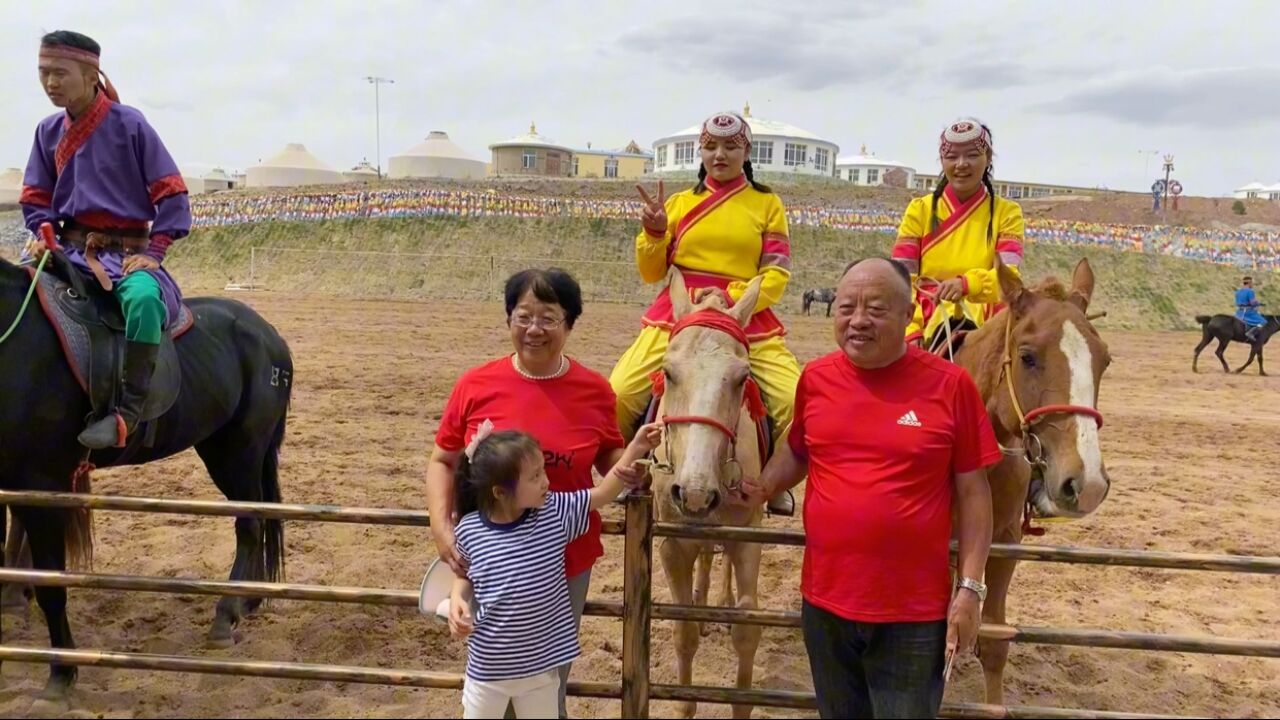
(1193, 458)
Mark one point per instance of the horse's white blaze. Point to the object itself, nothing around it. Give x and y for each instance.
(1083, 393)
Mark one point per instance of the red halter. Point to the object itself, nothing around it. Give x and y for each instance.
(715, 320)
(1029, 419)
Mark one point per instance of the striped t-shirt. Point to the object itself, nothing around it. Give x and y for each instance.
(523, 618)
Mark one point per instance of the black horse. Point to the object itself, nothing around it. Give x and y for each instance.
(236, 378)
(819, 295)
(1226, 328)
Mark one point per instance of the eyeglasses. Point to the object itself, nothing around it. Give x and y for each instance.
(528, 321)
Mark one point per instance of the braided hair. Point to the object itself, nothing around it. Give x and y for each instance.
(746, 170)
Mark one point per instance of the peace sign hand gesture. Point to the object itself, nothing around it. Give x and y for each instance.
(654, 215)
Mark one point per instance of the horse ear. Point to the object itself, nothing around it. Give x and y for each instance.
(1082, 285)
(1011, 290)
(746, 305)
(680, 302)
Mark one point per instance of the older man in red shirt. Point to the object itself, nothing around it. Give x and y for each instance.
(889, 436)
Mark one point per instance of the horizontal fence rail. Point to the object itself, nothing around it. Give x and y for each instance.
(660, 611)
(218, 508)
(807, 701)
(1041, 553)
(420, 518)
(453, 681)
(228, 508)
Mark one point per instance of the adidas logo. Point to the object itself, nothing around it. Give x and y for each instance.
(910, 419)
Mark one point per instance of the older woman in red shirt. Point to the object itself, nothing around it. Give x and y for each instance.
(568, 408)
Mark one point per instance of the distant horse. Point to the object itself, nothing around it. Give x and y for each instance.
(1226, 329)
(819, 295)
(1038, 365)
(236, 377)
(708, 393)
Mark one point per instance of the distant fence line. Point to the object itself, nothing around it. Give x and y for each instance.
(1234, 247)
(1250, 249)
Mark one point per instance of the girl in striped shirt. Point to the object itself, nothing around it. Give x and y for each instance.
(513, 605)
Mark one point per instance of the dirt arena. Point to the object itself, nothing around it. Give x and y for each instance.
(1194, 461)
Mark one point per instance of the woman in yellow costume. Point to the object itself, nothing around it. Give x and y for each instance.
(722, 233)
(950, 240)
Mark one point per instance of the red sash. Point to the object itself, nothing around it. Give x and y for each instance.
(720, 193)
(960, 212)
(76, 134)
(764, 324)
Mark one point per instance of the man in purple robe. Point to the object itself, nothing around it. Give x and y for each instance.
(100, 175)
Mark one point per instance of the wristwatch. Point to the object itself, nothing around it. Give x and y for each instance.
(976, 586)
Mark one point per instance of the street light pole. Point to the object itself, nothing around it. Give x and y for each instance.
(1168, 168)
(377, 113)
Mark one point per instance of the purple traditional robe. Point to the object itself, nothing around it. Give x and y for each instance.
(107, 170)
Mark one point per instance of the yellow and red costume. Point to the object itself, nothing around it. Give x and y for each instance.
(722, 237)
(962, 240)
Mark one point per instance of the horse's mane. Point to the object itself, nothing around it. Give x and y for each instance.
(1052, 288)
(713, 301)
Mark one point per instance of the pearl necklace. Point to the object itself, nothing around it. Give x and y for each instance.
(564, 368)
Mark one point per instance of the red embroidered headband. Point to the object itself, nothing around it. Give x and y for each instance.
(727, 126)
(964, 134)
(67, 52)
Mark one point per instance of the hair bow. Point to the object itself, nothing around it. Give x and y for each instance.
(482, 432)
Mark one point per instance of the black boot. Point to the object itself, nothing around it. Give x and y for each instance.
(112, 430)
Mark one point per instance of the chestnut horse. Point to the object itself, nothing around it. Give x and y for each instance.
(1038, 364)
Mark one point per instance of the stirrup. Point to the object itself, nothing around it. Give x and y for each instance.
(106, 432)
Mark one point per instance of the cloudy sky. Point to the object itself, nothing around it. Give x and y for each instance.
(1073, 91)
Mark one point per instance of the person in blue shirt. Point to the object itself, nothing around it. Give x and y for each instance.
(1247, 305)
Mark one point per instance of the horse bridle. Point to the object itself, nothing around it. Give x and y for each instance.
(716, 321)
(1027, 421)
(733, 469)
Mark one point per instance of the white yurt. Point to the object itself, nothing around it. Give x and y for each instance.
(10, 185)
(435, 157)
(364, 172)
(777, 147)
(867, 169)
(291, 167)
(216, 180)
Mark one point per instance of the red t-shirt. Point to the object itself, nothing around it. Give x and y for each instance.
(573, 418)
(884, 447)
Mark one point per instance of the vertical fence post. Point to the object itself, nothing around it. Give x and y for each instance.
(253, 265)
(637, 605)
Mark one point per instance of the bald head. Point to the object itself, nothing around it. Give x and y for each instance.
(880, 269)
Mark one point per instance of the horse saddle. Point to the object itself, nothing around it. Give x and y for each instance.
(90, 327)
(945, 345)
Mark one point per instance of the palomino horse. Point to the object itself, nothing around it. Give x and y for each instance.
(707, 403)
(1038, 364)
(236, 377)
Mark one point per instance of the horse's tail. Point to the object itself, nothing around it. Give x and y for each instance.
(273, 530)
(1203, 319)
(77, 530)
